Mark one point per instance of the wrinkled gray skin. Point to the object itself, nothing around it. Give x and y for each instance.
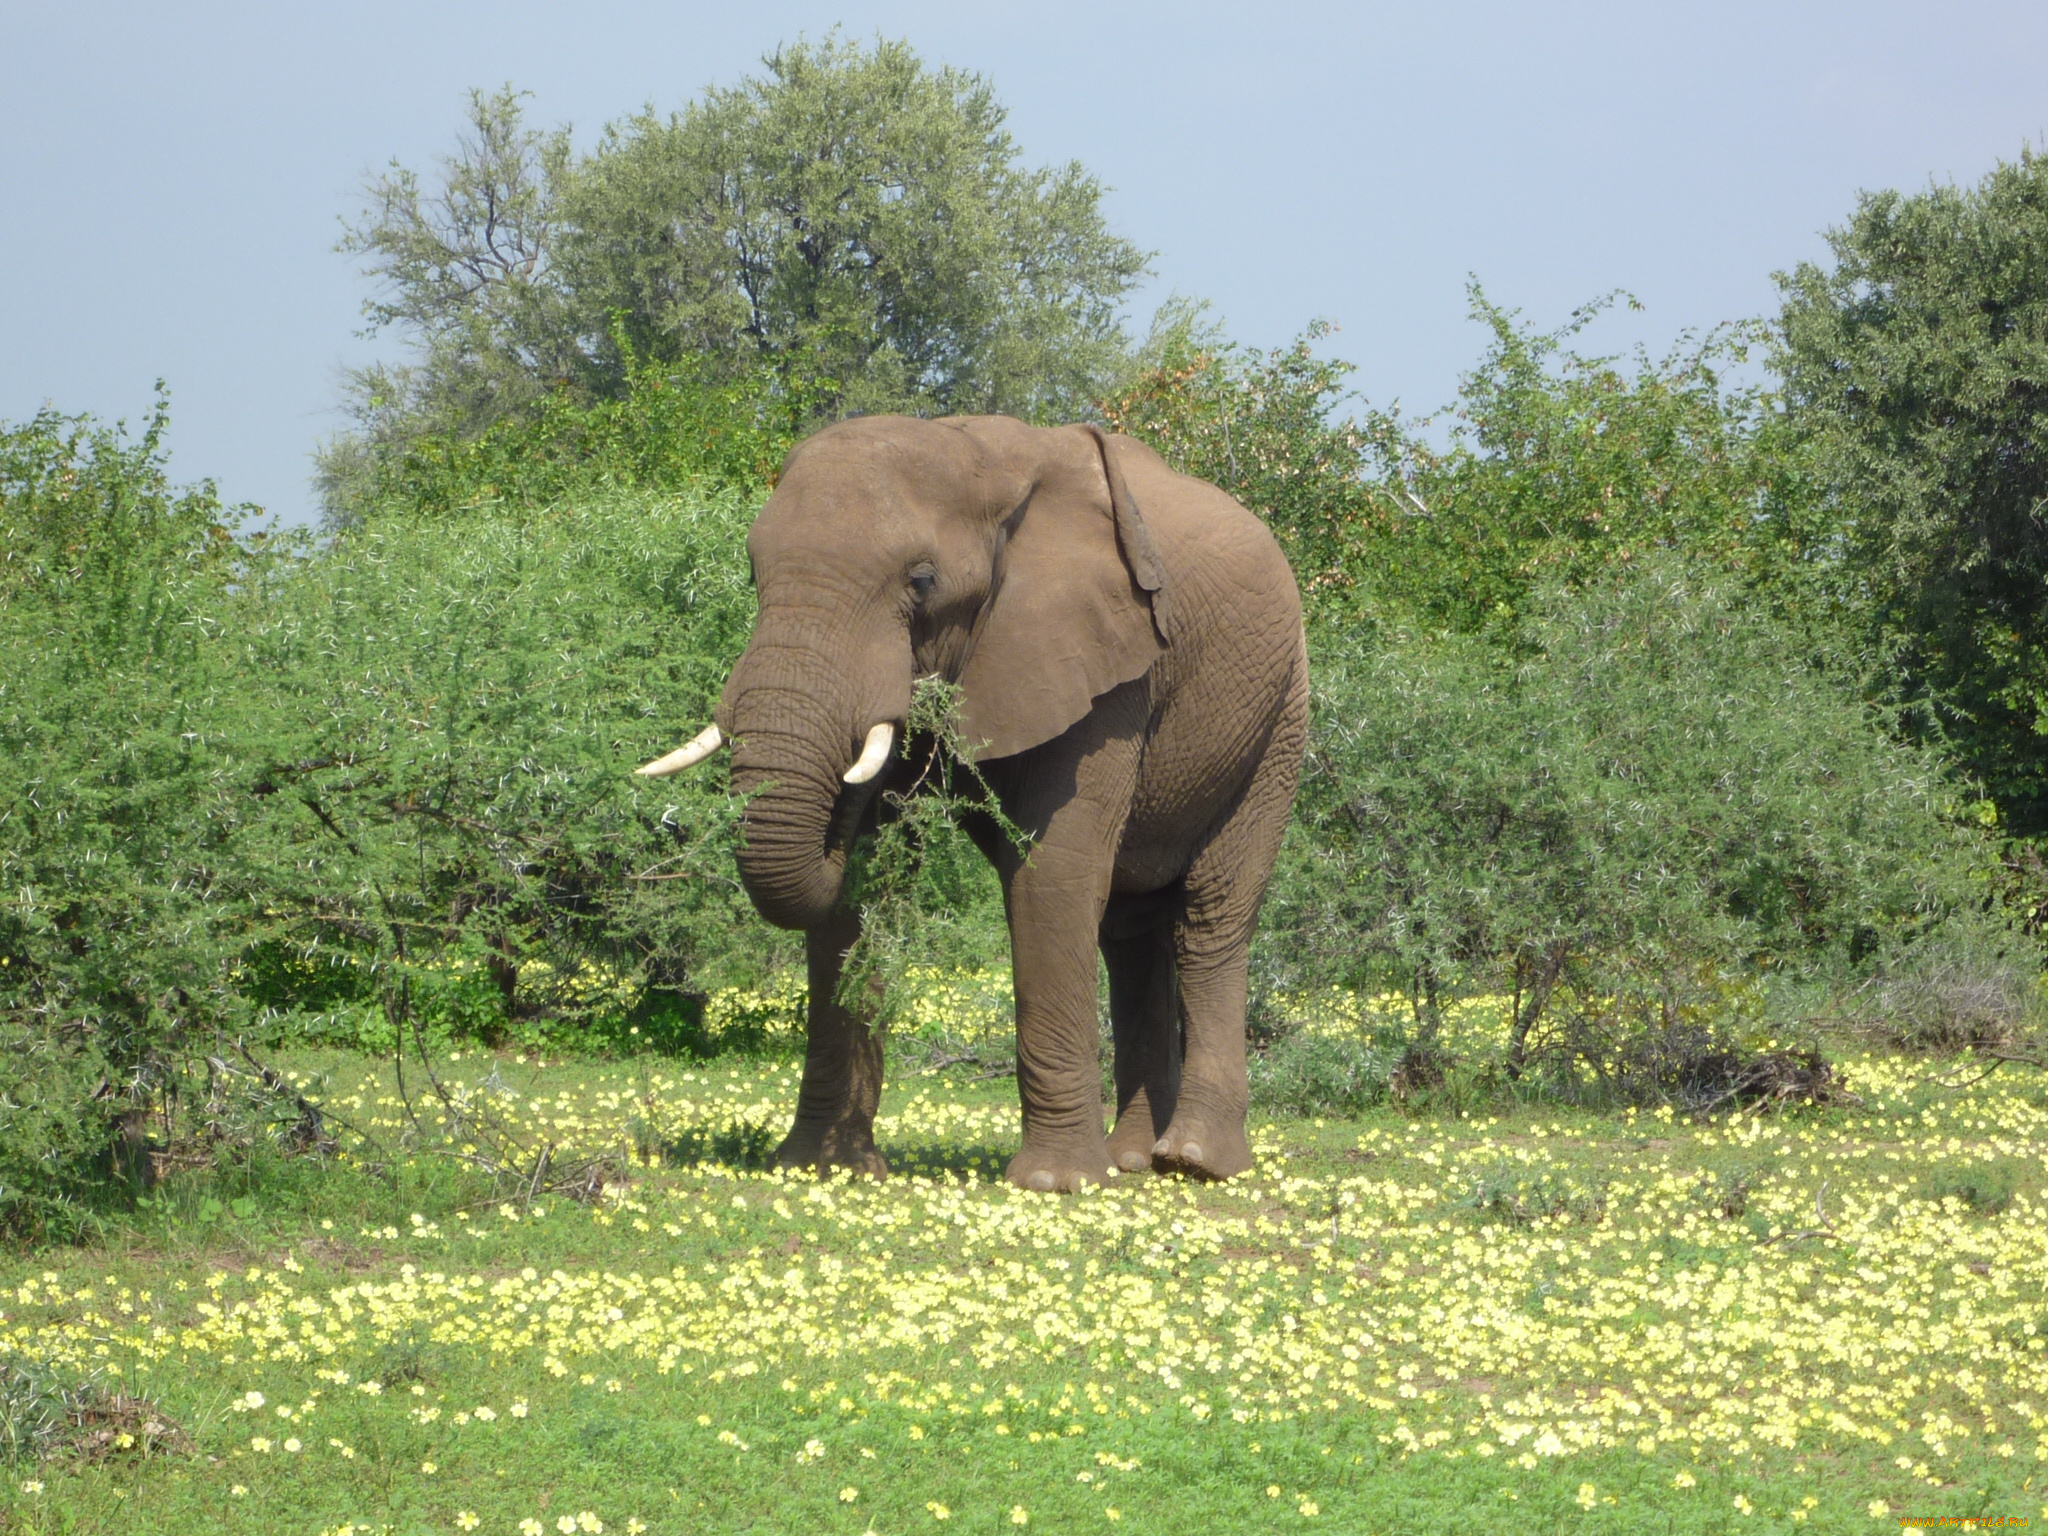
(1128, 644)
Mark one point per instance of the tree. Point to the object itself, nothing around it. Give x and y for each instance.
(467, 270)
(855, 217)
(1918, 367)
(1555, 465)
(1561, 467)
(852, 225)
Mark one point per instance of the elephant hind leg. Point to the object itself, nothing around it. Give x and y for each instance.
(1212, 942)
(1144, 1015)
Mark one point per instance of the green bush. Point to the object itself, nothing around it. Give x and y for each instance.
(670, 429)
(1307, 1073)
(1657, 801)
(443, 806)
(57, 1132)
(1561, 469)
(259, 790)
(119, 916)
(1972, 988)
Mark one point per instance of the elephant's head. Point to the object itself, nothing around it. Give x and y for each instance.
(1008, 559)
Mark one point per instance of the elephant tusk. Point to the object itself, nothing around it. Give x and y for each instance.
(873, 754)
(689, 755)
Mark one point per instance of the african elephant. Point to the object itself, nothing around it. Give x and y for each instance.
(1135, 685)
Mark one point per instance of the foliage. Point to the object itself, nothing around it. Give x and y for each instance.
(1961, 990)
(88, 515)
(1562, 468)
(448, 811)
(1916, 365)
(1558, 467)
(1309, 1073)
(675, 428)
(1651, 794)
(467, 271)
(855, 216)
(57, 1130)
(850, 231)
(256, 791)
(44, 1414)
(117, 905)
(926, 896)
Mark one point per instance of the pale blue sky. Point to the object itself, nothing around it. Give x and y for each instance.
(172, 174)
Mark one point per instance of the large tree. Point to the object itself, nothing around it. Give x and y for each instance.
(863, 223)
(1918, 362)
(854, 223)
(465, 272)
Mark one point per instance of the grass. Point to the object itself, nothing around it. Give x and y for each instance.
(1552, 1321)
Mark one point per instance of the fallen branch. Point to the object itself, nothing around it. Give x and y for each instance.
(1825, 1229)
(1997, 1058)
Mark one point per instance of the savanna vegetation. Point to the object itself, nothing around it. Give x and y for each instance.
(1648, 1013)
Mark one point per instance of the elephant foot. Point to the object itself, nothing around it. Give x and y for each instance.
(1131, 1142)
(823, 1147)
(1061, 1167)
(1203, 1148)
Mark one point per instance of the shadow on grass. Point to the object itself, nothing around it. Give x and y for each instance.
(965, 1162)
(750, 1148)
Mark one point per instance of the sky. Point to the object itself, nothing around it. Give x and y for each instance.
(173, 179)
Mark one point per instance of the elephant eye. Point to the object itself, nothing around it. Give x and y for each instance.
(921, 583)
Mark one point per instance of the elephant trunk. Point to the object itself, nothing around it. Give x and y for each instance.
(798, 820)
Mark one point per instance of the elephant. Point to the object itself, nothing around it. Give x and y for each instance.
(1128, 651)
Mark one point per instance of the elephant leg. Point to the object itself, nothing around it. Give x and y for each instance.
(842, 1085)
(1225, 883)
(1072, 795)
(1144, 1015)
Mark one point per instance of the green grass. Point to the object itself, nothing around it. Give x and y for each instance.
(1544, 1320)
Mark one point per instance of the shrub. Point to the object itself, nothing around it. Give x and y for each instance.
(440, 801)
(57, 1131)
(1958, 991)
(669, 429)
(1658, 799)
(1308, 1073)
(1913, 364)
(254, 790)
(44, 1414)
(1514, 1197)
(118, 915)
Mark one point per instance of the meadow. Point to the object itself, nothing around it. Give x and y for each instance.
(1544, 1319)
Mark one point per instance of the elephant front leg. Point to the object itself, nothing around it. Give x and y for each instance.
(1053, 911)
(1072, 796)
(842, 1084)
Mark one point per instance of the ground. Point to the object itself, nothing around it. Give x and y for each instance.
(1538, 1319)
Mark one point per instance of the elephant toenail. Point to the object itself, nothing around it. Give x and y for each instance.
(1042, 1180)
(1162, 1148)
(1191, 1152)
(1133, 1161)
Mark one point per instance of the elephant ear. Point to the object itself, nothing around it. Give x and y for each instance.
(1078, 602)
